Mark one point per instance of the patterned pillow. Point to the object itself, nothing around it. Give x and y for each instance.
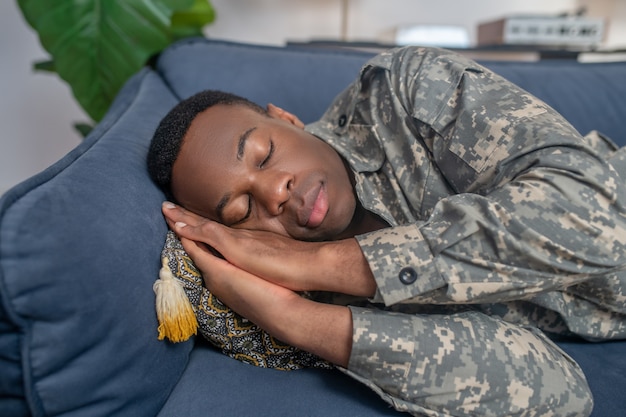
(234, 335)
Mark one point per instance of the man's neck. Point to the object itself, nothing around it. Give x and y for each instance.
(363, 221)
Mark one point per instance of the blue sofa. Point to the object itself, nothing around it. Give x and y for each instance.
(80, 246)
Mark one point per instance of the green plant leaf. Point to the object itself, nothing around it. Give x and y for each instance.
(190, 22)
(45, 66)
(96, 45)
(83, 128)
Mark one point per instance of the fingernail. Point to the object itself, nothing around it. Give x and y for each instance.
(169, 205)
(180, 225)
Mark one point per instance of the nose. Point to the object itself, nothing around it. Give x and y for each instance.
(273, 190)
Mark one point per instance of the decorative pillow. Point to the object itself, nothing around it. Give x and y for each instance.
(234, 335)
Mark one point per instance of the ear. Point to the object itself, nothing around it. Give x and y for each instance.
(278, 113)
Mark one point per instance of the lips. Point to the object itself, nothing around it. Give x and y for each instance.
(315, 207)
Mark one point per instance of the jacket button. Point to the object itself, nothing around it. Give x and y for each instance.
(407, 275)
(342, 120)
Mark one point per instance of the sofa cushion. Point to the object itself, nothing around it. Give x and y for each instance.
(79, 252)
(604, 365)
(216, 385)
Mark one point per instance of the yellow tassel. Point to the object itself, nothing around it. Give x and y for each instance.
(177, 321)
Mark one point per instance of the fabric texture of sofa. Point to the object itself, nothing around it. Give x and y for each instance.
(80, 246)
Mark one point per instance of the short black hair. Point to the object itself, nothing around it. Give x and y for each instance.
(168, 137)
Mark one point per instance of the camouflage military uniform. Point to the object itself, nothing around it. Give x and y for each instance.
(503, 219)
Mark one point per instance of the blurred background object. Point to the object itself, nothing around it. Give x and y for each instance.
(444, 36)
(559, 31)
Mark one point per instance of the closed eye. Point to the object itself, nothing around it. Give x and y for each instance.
(247, 215)
(264, 162)
(268, 156)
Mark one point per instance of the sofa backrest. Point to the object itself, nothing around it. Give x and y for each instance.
(302, 81)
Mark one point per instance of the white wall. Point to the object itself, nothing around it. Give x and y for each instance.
(37, 110)
(616, 10)
(274, 21)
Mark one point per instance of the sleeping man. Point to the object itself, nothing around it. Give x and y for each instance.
(445, 219)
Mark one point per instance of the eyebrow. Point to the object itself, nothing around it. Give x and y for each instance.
(241, 146)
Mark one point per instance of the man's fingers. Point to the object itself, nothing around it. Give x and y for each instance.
(192, 248)
(188, 224)
(176, 213)
(204, 256)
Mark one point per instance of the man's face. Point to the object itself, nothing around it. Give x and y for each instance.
(252, 171)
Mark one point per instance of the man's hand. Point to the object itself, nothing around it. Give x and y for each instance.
(300, 266)
(322, 329)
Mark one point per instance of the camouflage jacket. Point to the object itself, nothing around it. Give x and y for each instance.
(497, 205)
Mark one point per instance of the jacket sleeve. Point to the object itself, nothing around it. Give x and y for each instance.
(464, 364)
(535, 207)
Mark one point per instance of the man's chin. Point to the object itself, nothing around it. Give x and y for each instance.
(314, 235)
(313, 238)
